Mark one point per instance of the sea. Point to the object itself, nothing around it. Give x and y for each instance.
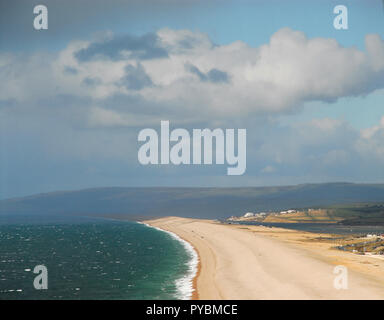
(93, 258)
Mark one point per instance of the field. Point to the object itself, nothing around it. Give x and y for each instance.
(310, 215)
(349, 214)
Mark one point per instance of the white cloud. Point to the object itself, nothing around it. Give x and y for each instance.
(326, 124)
(371, 142)
(276, 77)
(375, 48)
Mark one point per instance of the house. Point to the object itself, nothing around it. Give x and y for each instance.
(249, 215)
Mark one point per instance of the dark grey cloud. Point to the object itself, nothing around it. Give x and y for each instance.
(70, 70)
(135, 78)
(142, 47)
(213, 75)
(91, 81)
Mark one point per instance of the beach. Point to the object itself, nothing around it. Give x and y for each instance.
(255, 262)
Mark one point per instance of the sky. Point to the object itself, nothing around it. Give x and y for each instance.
(74, 97)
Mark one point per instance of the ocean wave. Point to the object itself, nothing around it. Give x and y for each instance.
(184, 285)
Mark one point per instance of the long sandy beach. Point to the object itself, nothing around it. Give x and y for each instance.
(252, 262)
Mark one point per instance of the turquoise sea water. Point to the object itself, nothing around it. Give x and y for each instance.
(92, 259)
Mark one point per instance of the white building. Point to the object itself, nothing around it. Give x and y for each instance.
(249, 214)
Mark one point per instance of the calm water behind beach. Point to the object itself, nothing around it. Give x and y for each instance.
(331, 228)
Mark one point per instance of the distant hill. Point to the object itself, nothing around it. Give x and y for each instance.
(191, 202)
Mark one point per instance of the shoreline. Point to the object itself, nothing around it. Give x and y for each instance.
(189, 248)
(195, 294)
(244, 262)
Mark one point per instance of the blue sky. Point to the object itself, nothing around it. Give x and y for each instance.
(69, 124)
(225, 21)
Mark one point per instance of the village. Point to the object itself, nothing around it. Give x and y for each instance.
(288, 216)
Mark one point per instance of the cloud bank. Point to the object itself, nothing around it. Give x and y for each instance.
(182, 73)
(87, 102)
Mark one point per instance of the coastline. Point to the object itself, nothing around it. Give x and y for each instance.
(194, 266)
(195, 293)
(244, 262)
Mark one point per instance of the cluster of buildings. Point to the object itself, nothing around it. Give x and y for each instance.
(254, 215)
(248, 216)
(288, 211)
(263, 214)
(259, 215)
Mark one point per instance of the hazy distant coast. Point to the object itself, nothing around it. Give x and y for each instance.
(209, 203)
